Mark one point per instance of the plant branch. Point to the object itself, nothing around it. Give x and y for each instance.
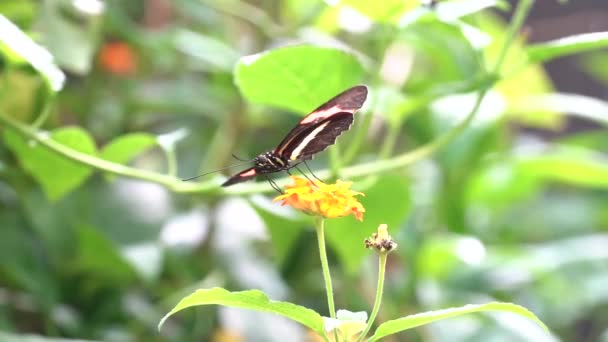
(320, 226)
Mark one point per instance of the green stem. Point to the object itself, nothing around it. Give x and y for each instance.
(171, 161)
(379, 292)
(46, 112)
(389, 141)
(320, 225)
(521, 12)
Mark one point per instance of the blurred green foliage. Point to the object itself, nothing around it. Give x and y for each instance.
(157, 89)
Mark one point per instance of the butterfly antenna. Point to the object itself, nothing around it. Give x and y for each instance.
(241, 159)
(224, 168)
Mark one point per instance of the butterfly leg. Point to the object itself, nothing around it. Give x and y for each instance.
(303, 174)
(274, 185)
(312, 173)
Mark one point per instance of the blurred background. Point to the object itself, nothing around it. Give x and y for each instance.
(515, 209)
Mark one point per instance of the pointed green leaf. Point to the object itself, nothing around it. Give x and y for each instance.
(567, 46)
(122, 149)
(253, 300)
(297, 77)
(413, 321)
(57, 174)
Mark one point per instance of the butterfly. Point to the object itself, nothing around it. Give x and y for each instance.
(313, 134)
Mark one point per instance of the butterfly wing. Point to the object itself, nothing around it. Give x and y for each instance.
(327, 122)
(317, 137)
(242, 176)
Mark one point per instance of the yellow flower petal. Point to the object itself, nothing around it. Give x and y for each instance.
(320, 199)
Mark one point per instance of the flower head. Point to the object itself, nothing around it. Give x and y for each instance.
(381, 241)
(318, 198)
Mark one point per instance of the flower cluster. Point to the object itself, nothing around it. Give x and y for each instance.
(318, 198)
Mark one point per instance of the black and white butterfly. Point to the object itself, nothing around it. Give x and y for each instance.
(313, 134)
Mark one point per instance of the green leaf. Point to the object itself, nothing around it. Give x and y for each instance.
(383, 11)
(412, 321)
(57, 174)
(298, 78)
(386, 201)
(284, 230)
(122, 149)
(206, 50)
(442, 50)
(25, 49)
(101, 260)
(570, 166)
(567, 46)
(71, 32)
(253, 300)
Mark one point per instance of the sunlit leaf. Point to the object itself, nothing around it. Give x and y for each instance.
(413, 321)
(567, 46)
(298, 78)
(25, 48)
(57, 174)
(253, 300)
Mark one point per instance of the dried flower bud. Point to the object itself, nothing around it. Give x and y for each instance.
(381, 241)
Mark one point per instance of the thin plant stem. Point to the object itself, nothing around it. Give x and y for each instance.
(320, 226)
(46, 112)
(389, 141)
(379, 292)
(171, 161)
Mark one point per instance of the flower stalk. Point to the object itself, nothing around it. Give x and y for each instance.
(383, 244)
(379, 291)
(320, 227)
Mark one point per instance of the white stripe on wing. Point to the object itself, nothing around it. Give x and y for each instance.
(296, 152)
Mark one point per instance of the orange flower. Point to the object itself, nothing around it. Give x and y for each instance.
(117, 58)
(318, 198)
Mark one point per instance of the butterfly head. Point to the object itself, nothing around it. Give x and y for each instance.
(270, 162)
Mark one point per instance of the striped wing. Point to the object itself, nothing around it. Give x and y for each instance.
(317, 137)
(321, 127)
(242, 176)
